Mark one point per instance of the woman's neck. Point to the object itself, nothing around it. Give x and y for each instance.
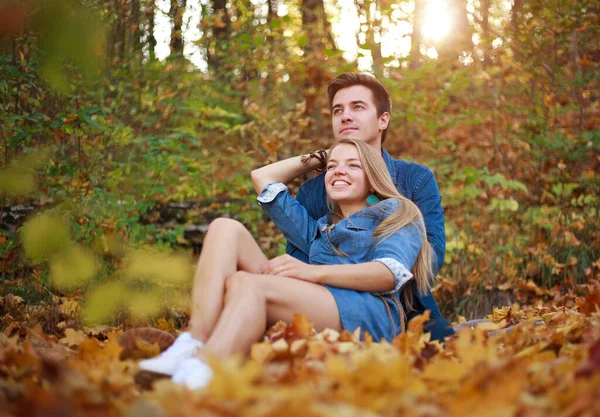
(349, 209)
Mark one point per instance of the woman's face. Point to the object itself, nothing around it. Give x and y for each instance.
(345, 181)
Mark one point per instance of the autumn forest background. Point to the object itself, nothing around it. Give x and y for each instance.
(126, 126)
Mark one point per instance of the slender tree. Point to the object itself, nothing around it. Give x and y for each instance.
(150, 40)
(485, 32)
(217, 36)
(176, 13)
(315, 26)
(460, 41)
(417, 35)
(137, 26)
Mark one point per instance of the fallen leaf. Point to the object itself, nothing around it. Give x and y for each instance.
(73, 338)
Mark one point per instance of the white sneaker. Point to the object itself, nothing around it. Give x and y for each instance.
(193, 373)
(167, 362)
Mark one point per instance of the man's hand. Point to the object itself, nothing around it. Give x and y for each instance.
(288, 266)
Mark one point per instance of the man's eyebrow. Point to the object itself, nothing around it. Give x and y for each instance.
(351, 103)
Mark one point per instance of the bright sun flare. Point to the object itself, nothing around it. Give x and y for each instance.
(436, 24)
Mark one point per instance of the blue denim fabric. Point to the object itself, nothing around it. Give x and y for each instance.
(417, 183)
(376, 313)
(352, 236)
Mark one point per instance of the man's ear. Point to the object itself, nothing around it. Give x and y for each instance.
(384, 121)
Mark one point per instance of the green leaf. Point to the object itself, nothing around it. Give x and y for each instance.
(275, 24)
(303, 41)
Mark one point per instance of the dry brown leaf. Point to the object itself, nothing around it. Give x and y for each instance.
(73, 338)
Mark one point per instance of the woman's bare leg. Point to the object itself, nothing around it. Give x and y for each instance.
(255, 301)
(227, 248)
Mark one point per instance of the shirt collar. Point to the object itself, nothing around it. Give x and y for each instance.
(389, 162)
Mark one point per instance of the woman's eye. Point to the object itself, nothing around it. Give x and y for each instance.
(354, 166)
(337, 111)
(358, 107)
(330, 167)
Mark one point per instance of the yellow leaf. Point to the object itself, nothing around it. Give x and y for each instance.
(69, 307)
(72, 267)
(161, 268)
(43, 236)
(143, 305)
(102, 302)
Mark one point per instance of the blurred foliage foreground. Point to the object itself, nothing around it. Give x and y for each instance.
(113, 163)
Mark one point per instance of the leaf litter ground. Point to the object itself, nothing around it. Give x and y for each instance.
(547, 364)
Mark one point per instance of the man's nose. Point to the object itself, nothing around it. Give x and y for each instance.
(346, 116)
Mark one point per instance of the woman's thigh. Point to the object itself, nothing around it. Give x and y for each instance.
(288, 296)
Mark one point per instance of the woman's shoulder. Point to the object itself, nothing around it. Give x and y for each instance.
(381, 210)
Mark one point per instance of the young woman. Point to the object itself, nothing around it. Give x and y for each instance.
(362, 256)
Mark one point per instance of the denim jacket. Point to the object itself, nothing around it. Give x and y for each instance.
(417, 183)
(352, 236)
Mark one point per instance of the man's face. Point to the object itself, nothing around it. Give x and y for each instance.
(354, 116)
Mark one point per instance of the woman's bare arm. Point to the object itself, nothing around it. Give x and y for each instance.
(281, 171)
(368, 276)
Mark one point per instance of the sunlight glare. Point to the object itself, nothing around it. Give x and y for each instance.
(437, 22)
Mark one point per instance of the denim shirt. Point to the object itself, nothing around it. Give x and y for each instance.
(352, 236)
(415, 182)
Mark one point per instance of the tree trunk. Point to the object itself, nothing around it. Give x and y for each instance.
(136, 24)
(150, 8)
(216, 48)
(515, 13)
(316, 27)
(369, 10)
(460, 40)
(486, 42)
(417, 36)
(176, 13)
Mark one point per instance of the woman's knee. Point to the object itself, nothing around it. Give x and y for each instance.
(224, 227)
(221, 224)
(241, 283)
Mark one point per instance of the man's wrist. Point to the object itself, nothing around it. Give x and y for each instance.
(315, 160)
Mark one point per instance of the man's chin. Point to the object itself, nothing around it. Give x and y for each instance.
(353, 136)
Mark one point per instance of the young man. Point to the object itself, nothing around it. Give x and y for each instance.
(361, 109)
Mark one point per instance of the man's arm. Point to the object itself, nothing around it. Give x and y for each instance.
(427, 197)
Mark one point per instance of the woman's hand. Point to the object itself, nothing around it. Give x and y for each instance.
(288, 266)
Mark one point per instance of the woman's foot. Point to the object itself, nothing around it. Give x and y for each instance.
(167, 363)
(193, 373)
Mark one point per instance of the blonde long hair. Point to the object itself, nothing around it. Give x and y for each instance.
(408, 213)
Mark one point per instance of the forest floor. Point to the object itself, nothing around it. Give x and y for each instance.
(547, 365)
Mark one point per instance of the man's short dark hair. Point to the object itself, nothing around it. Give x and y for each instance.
(383, 103)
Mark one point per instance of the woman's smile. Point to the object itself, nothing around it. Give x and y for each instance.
(341, 183)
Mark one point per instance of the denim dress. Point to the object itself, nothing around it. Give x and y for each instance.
(379, 313)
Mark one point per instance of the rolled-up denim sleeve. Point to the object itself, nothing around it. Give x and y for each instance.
(399, 253)
(429, 200)
(289, 216)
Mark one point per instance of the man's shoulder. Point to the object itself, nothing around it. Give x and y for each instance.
(403, 166)
(408, 171)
